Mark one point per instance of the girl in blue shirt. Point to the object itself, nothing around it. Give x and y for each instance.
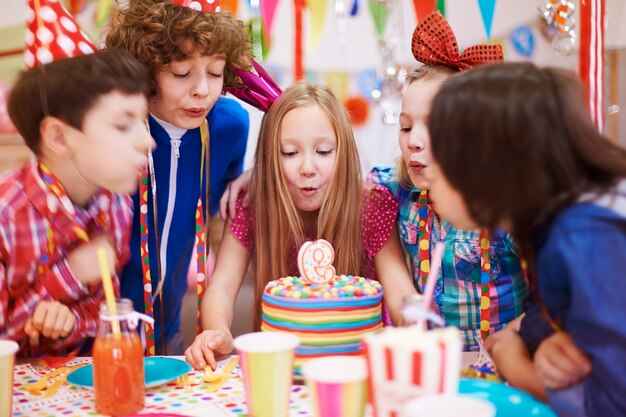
(561, 191)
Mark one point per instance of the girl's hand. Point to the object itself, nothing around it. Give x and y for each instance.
(50, 319)
(228, 202)
(559, 362)
(202, 351)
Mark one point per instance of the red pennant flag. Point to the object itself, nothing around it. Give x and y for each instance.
(423, 8)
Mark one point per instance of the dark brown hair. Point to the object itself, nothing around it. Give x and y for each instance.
(67, 89)
(518, 142)
(159, 32)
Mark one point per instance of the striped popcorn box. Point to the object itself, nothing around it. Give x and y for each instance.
(405, 363)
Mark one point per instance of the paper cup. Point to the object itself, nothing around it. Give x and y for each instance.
(338, 385)
(8, 348)
(406, 363)
(448, 406)
(266, 361)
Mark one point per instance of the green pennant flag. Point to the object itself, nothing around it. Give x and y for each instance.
(441, 6)
(380, 15)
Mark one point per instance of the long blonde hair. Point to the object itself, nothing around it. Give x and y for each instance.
(424, 73)
(278, 224)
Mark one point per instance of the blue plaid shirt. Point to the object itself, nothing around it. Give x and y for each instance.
(458, 289)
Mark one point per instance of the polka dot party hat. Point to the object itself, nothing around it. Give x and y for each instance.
(207, 6)
(52, 34)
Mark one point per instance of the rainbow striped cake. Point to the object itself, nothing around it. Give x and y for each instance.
(329, 319)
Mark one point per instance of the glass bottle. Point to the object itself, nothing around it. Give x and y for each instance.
(118, 374)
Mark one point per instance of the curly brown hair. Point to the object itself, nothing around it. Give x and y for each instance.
(159, 32)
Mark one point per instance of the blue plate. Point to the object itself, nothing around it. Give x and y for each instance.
(157, 369)
(509, 402)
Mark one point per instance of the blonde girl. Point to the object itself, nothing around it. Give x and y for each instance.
(307, 185)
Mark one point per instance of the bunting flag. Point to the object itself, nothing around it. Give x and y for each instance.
(268, 9)
(441, 6)
(380, 16)
(103, 10)
(423, 8)
(355, 8)
(591, 57)
(487, 7)
(317, 16)
(230, 5)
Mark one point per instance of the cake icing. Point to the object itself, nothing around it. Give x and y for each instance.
(329, 318)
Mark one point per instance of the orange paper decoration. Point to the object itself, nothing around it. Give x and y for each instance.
(358, 109)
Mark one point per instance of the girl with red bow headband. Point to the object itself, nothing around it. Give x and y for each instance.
(481, 286)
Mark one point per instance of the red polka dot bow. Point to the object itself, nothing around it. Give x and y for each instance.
(52, 34)
(207, 6)
(434, 43)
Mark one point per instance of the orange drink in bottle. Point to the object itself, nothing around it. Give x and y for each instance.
(118, 375)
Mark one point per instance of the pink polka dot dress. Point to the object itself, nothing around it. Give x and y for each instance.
(378, 216)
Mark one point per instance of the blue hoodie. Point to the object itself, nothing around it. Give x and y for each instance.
(177, 167)
(581, 270)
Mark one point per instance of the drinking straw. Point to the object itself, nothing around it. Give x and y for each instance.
(109, 296)
(433, 275)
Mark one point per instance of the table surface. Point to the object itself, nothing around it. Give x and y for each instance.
(189, 400)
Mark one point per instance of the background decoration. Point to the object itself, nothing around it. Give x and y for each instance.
(268, 10)
(230, 5)
(379, 10)
(591, 57)
(355, 8)
(560, 22)
(260, 44)
(317, 16)
(337, 81)
(368, 84)
(487, 8)
(103, 9)
(423, 8)
(298, 56)
(358, 109)
(441, 6)
(523, 41)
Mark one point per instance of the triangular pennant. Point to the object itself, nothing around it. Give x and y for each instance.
(317, 16)
(268, 9)
(423, 8)
(487, 8)
(441, 6)
(380, 16)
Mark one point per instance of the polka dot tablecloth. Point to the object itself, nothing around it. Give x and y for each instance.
(191, 400)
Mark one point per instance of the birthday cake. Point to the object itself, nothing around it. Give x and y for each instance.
(330, 316)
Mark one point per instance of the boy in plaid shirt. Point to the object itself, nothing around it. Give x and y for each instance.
(84, 119)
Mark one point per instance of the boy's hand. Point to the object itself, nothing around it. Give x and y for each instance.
(228, 202)
(84, 259)
(50, 319)
(202, 351)
(559, 362)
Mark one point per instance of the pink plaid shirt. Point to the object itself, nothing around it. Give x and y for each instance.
(26, 230)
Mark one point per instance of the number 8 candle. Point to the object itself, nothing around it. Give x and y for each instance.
(315, 261)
